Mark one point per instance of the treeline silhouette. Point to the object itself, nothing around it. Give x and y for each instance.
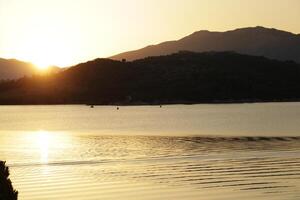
(184, 77)
(6, 189)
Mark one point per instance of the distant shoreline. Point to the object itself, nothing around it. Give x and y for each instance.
(160, 103)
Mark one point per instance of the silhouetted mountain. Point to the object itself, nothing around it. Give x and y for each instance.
(14, 69)
(54, 70)
(184, 77)
(259, 41)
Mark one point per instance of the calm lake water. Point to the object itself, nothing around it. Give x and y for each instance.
(249, 151)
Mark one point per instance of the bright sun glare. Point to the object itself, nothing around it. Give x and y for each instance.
(46, 46)
(45, 52)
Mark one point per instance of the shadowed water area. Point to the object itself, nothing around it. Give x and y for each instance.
(249, 151)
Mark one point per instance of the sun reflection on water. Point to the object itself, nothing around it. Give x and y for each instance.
(46, 146)
(44, 141)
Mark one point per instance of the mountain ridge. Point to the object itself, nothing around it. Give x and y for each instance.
(258, 41)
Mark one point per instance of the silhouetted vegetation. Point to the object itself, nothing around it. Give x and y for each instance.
(184, 77)
(6, 189)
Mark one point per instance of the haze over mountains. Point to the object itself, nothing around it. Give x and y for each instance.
(11, 69)
(258, 41)
(14, 69)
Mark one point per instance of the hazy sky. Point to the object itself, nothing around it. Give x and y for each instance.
(65, 32)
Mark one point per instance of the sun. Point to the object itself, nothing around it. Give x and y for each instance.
(48, 51)
(45, 52)
(41, 65)
(46, 46)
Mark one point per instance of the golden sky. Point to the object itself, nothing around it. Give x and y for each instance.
(66, 32)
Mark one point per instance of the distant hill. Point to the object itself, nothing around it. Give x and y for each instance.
(183, 77)
(14, 69)
(11, 69)
(259, 41)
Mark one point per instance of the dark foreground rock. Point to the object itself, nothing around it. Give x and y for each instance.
(7, 192)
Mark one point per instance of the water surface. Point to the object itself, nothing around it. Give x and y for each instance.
(249, 151)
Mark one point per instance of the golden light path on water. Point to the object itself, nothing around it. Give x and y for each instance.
(44, 140)
(44, 146)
